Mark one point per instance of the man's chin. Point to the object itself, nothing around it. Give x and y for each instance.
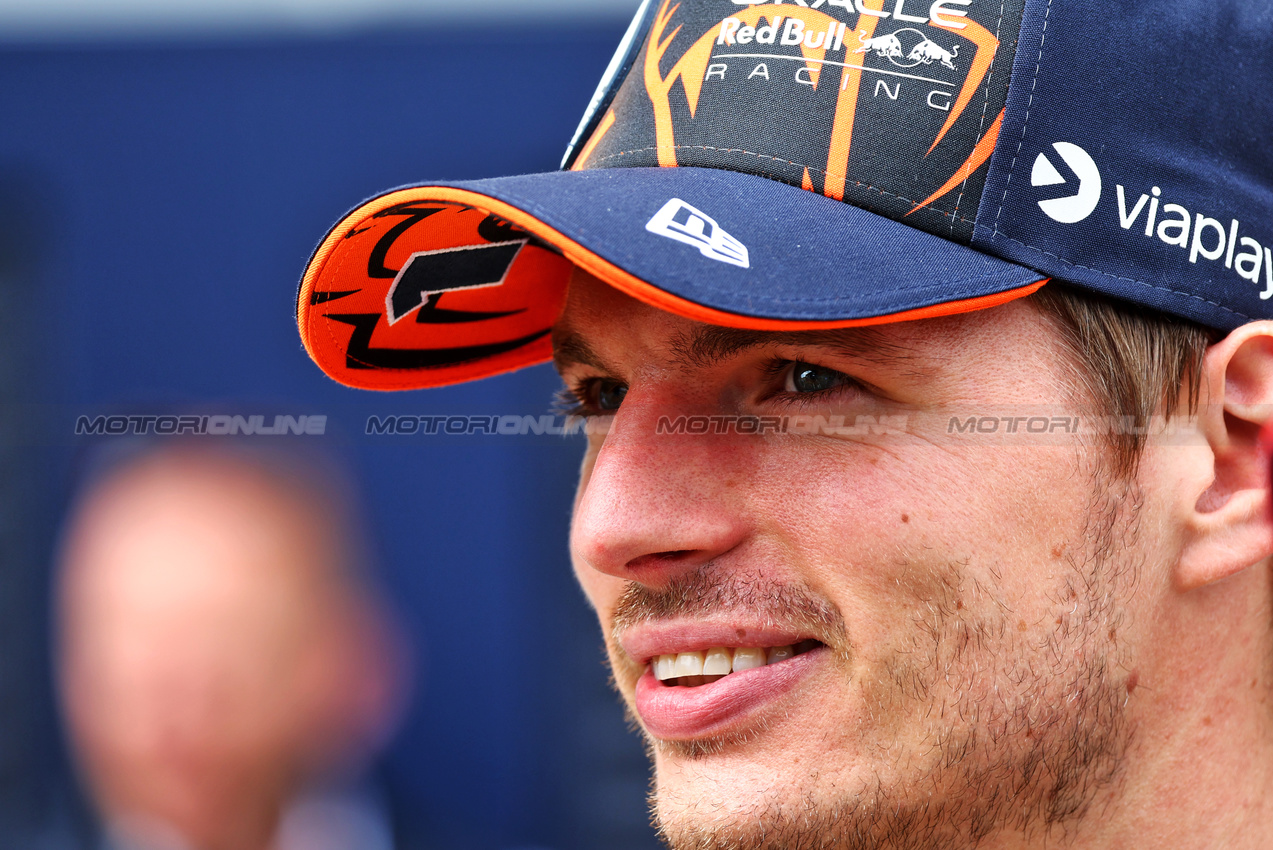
(733, 790)
(707, 806)
(864, 823)
(792, 781)
(718, 803)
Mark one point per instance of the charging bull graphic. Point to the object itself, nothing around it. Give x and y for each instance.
(890, 47)
(885, 46)
(928, 51)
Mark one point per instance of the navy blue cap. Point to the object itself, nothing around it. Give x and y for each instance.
(833, 163)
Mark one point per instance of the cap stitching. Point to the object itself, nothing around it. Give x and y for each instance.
(536, 207)
(812, 168)
(327, 323)
(544, 215)
(1072, 264)
(1043, 35)
(985, 106)
(995, 232)
(841, 298)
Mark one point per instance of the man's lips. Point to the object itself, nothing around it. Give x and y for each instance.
(746, 667)
(678, 713)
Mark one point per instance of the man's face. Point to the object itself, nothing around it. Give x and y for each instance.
(940, 622)
(204, 650)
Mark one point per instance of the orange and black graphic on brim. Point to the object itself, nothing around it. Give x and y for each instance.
(407, 292)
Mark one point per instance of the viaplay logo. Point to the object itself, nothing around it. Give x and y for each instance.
(1203, 236)
(1078, 206)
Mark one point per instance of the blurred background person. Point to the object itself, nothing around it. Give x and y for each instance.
(226, 671)
(164, 167)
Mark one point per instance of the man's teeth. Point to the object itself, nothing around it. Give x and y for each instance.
(718, 662)
(697, 668)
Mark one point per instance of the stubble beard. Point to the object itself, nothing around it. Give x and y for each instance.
(1024, 745)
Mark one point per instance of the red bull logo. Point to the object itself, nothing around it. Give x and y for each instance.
(735, 31)
(822, 95)
(887, 46)
(928, 52)
(925, 50)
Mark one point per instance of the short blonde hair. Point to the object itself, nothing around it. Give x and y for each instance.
(1131, 361)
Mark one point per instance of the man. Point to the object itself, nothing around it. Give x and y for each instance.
(926, 353)
(226, 673)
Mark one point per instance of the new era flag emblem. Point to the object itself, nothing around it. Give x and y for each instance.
(684, 223)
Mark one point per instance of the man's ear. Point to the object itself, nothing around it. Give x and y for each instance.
(1230, 526)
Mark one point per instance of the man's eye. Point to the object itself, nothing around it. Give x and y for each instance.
(609, 394)
(807, 378)
(591, 397)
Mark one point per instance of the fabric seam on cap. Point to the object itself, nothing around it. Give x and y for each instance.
(327, 323)
(985, 106)
(812, 168)
(1034, 81)
(995, 232)
(1145, 283)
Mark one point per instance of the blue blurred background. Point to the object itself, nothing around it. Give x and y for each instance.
(165, 170)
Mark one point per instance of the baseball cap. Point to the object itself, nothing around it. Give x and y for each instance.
(815, 164)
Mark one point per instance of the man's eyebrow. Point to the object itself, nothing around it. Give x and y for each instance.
(571, 349)
(709, 345)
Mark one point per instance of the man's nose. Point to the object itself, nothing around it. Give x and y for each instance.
(656, 503)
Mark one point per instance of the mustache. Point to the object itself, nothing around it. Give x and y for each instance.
(705, 592)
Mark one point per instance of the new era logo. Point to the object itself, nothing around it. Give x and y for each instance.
(682, 222)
